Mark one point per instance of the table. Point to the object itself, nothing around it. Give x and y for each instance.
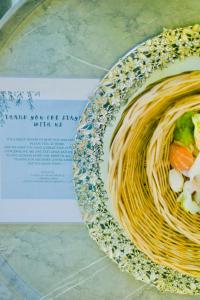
(74, 39)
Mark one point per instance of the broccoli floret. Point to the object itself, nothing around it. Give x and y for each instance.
(184, 130)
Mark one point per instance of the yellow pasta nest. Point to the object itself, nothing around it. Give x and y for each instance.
(139, 166)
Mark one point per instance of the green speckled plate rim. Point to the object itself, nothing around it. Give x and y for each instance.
(112, 94)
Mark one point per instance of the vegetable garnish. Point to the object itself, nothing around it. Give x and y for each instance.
(184, 156)
(196, 121)
(180, 157)
(184, 131)
(176, 180)
(187, 199)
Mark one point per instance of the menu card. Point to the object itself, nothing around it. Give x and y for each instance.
(38, 121)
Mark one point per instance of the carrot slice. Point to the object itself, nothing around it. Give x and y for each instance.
(180, 157)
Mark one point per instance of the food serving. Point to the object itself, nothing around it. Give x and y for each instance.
(154, 167)
(184, 158)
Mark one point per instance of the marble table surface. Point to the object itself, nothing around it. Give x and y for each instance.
(74, 39)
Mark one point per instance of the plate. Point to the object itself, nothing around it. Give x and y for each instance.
(170, 53)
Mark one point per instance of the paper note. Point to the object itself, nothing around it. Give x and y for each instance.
(38, 125)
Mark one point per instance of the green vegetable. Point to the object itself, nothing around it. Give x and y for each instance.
(196, 122)
(184, 130)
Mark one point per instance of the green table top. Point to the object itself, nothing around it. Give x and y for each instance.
(74, 39)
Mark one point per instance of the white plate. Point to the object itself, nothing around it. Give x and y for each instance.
(172, 52)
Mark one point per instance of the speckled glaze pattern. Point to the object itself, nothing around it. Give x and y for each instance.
(113, 93)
